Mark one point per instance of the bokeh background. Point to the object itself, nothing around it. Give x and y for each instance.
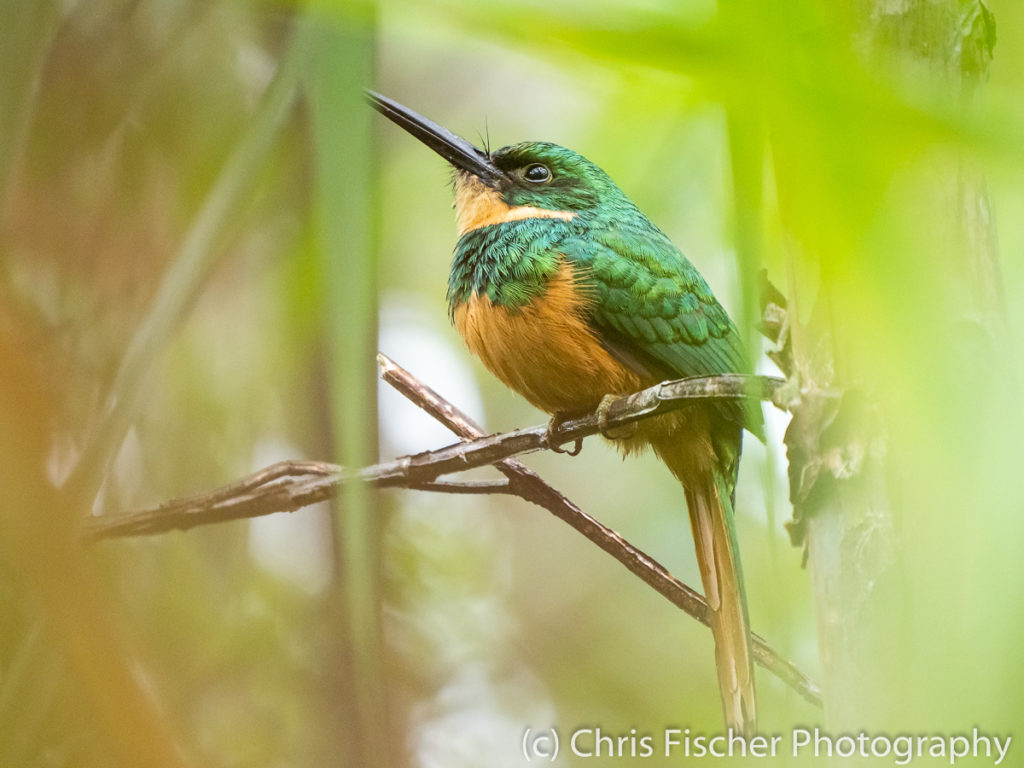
(205, 236)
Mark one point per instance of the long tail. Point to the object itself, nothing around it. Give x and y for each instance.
(709, 498)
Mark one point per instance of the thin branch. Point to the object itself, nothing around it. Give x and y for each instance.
(266, 476)
(467, 486)
(277, 488)
(309, 482)
(532, 487)
(290, 485)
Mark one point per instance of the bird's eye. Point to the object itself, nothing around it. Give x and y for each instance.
(537, 173)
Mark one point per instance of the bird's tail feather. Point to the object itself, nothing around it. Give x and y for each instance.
(709, 498)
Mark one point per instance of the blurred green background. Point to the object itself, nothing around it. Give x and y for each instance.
(205, 235)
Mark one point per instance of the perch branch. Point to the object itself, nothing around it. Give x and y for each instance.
(466, 487)
(530, 486)
(311, 481)
(290, 485)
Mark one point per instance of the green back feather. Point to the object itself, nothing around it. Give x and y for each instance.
(648, 298)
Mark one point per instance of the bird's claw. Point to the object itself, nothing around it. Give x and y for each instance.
(623, 432)
(552, 438)
(577, 446)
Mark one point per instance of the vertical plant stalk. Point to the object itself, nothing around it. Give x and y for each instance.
(40, 549)
(340, 65)
(842, 452)
(41, 523)
(745, 127)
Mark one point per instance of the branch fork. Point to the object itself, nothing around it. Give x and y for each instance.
(291, 485)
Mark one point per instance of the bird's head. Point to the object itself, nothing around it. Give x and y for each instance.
(527, 180)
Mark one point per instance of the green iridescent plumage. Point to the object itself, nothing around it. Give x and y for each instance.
(649, 298)
(567, 293)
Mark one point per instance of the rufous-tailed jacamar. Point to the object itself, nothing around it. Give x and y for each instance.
(568, 293)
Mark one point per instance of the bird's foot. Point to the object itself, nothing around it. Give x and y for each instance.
(623, 432)
(553, 426)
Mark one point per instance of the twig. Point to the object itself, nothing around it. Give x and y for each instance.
(468, 486)
(290, 485)
(532, 487)
(310, 481)
(277, 488)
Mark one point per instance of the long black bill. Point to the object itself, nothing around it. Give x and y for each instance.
(455, 149)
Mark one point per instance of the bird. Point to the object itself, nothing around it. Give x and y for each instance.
(570, 295)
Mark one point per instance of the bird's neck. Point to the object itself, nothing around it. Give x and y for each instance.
(511, 263)
(477, 205)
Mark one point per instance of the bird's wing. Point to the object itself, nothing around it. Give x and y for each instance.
(654, 311)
